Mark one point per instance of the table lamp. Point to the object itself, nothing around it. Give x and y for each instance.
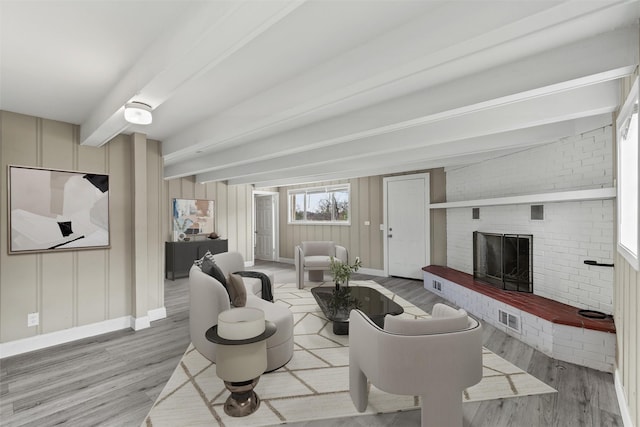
(241, 356)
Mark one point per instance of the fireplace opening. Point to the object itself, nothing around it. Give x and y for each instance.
(504, 260)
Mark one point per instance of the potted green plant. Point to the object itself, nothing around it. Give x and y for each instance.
(341, 272)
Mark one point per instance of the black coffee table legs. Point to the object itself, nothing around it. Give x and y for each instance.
(341, 328)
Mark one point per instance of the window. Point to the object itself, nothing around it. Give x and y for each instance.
(628, 162)
(328, 205)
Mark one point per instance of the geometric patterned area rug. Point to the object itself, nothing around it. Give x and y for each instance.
(315, 383)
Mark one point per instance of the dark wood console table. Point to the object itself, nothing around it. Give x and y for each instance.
(179, 256)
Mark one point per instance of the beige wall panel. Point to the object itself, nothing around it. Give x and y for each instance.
(438, 218)
(626, 303)
(376, 218)
(625, 332)
(92, 279)
(232, 217)
(210, 191)
(439, 237)
(19, 295)
(243, 218)
(286, 239)
(58, 145)
(628, 333)
(245, 222)
(155, 235)
(19, 140)
(120, 224)
(200, 191)
(92, 159)
(59, 281)
(221, 210)
(19, 274)
(188, 187)
(438, 185)
(352, 235)
(633, 344)
(364, 241)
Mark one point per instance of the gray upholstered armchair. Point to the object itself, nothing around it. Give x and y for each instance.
(435, 358)
(315, 257)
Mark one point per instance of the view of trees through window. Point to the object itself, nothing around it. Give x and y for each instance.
(319, 204)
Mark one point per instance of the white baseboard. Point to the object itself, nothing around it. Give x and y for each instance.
(372, 272)
(622, 401)
(286, 260)
(157, 314)
(38, 342)
(138, 323)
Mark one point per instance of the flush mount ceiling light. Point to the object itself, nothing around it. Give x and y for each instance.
(138, 113)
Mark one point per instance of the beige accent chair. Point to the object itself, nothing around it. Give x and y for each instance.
(208, 297)
(315, 257)
(435, 358)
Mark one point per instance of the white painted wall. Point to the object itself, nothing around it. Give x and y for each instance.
(570, 232)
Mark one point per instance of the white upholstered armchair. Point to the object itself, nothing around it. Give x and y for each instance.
(208, 298)
(435, 358)
(315, 257)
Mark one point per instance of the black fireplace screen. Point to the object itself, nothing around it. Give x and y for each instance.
(504, 260)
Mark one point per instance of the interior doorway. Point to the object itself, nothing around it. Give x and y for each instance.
(406, 216)
(265, 225)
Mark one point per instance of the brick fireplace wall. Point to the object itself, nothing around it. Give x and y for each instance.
(570, 232)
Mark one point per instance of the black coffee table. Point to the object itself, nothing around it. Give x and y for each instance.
(336, 305)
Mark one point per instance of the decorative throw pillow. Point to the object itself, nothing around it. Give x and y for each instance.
(237, 291)
(209, 267)
(207, 255)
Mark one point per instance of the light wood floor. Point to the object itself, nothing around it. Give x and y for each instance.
(113, 379)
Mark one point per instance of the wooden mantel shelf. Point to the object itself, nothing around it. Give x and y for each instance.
(562, 196)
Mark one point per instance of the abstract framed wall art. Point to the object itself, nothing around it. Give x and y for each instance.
(192, 217)
(55, 210)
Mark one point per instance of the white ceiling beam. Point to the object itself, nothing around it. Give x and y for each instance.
(497, 116)
(515, 140)
(453, 154)
(606, 57)
(348, 82)
(358, 171)
(511, 140)
(382, 119)
(209, 33)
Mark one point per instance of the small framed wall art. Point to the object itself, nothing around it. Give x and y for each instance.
(192, 217)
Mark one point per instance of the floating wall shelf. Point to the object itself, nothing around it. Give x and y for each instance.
(563, 196)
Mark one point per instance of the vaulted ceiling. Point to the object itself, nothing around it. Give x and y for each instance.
(283, 92)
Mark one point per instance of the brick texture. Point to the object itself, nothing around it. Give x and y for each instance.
(570, 232)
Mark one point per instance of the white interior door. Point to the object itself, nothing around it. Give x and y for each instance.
(407, 225)
(265, 227)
